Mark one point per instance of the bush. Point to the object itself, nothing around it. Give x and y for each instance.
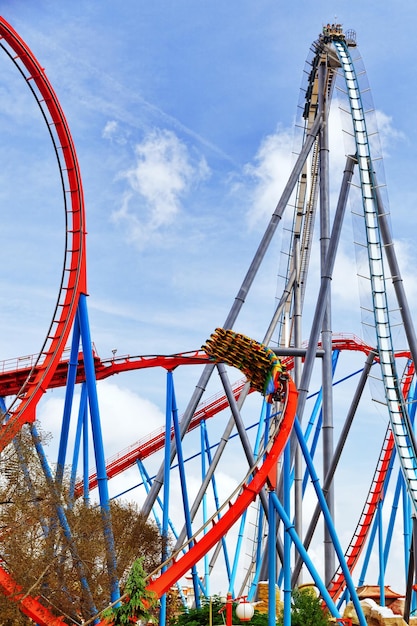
(306, 610)
(201, 616)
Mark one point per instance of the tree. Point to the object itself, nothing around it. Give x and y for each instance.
(39, 555)
(139, 601)
(306, 610)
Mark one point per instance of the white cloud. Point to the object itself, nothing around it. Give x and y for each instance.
(388, 134)
(125, 416)
(109, 129)
(162, 176)
(112, 132)
(269, 173)
(270, 169)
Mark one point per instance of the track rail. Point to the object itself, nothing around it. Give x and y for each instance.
(73, 280)
(29, 606)
(155, 441)
(14, 372)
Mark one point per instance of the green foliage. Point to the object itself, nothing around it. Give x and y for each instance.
(215, 604)
(306, 610)
(139, 601)
(201, 616)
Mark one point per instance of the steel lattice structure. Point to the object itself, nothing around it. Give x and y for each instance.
(280, 451)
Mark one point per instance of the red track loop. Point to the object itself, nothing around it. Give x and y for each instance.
(74, 273)
(73, 281)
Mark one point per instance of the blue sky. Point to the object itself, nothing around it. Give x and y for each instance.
(182, 114)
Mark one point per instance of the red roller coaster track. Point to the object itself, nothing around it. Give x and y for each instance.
(155, 441)
(73, 281)
(247, 495)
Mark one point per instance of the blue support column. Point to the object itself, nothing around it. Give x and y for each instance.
(69, 395)
(86, 453)
(331, 528)
(255, 581)
(414, 533)
(381, 581)
(98, 447)
(238, 549)
(167, 487)
(272, 570)
(80, 430)
(287, 537)
(167, 463)
(203, 434)
(186, 506)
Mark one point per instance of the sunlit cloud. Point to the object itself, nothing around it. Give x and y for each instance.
(125, 415)
(270, 168)
(387, 133)
(268, 174)
(159, 181)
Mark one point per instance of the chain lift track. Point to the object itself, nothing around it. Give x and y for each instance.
(400, 422)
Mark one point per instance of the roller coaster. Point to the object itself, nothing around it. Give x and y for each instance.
(289, 498)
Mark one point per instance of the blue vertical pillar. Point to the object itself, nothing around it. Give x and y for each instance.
(184, 492)
(381, 555)
(86, 453)
(81, 429)
(287, 538)
(203, 435)
(90, 379)
(272, 573)
(165, 509)
(69, 395)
